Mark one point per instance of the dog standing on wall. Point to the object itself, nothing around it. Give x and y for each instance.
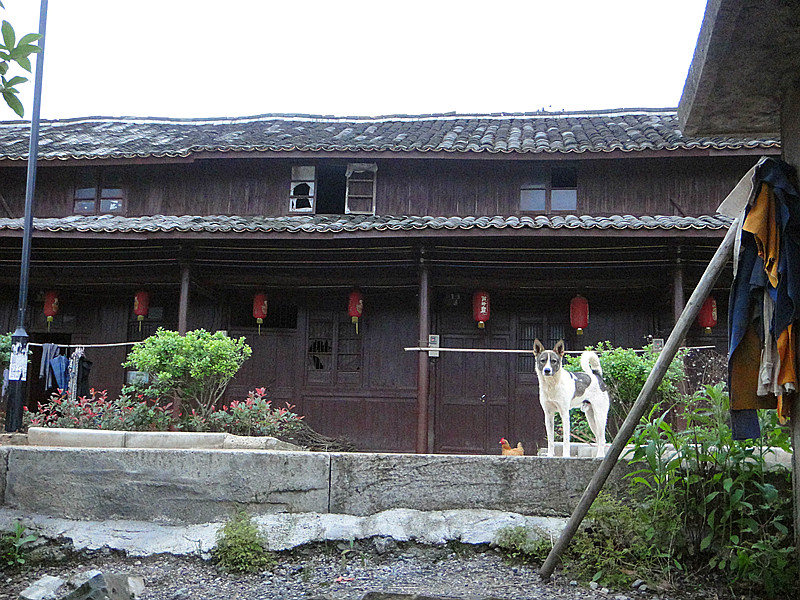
(560, 390)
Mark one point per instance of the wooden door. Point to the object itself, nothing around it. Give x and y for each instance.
(272, 365)
(472, 395)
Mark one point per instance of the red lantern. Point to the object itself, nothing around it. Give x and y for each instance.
(50, 306)
(579, 313)
(480, 308)
(260, 309)
(708, 314)
(355, 306)
(141, 306)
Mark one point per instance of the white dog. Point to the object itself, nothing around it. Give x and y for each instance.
(560, 390)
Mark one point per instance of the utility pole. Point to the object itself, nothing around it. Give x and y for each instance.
(18, 365)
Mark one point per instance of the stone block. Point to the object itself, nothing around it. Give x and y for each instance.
(75, 438)
(46, 588)
(164, 486)
(3, 473)
(173, 440)
(243, 442)
(365, 484)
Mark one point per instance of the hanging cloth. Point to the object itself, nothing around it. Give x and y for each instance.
(74, 360)
(767, 280)
(49, 352)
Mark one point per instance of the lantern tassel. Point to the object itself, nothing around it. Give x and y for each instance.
(355, 320)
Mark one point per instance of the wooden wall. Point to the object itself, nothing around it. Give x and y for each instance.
(672, 186)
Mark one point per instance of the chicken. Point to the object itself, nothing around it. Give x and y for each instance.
(507, 450)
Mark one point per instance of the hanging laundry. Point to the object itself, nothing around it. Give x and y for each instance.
(60, 367)
(765, 295)
(49, 352)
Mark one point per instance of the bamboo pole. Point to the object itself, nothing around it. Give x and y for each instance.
(689, 314)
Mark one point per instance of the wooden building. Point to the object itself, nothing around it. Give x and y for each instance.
(415, 212)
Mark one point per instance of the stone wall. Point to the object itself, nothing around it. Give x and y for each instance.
(173, 486)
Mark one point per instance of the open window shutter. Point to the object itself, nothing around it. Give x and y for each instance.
(360, 199)
(302, 194)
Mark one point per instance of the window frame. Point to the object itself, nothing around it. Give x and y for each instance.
(330, 351)
(360, 189)
(355, 175)
(545, 183)
(102, 192)
(300, 178)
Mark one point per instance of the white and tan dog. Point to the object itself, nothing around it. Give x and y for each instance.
(560, 390)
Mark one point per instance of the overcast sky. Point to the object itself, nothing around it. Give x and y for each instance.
(196, 58)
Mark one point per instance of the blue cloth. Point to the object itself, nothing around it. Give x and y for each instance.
(60, 366)
(744, 424)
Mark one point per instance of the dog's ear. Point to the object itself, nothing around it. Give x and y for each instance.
(537, 347)
(559, 348)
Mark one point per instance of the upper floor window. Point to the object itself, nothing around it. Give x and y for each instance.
(550, 190)
(98, 193)
(333, 189)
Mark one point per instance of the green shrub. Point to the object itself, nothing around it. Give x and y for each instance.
(524, 544)
(253, 416)
(194, 368)
(5, 350)
(241, 546)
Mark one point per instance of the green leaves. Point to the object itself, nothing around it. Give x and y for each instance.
(13, 52)
(195, 367)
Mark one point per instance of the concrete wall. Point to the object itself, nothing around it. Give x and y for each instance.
(197, 486)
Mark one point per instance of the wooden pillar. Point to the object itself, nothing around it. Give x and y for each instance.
(183, 303)
(790, 149)
(678, 297)
(423, 371)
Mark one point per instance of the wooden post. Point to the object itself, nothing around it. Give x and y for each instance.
(423, 362)
(673, 343)
(183, 302)
(678, 297)
(790, 151)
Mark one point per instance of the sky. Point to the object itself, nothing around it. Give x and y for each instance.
(229, 58)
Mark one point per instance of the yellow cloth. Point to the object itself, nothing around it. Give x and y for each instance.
(761, 222)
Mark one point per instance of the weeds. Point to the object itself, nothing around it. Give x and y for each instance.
(13, 545)
(241, 546)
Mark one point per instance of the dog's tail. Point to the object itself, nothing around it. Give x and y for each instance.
(590, 363)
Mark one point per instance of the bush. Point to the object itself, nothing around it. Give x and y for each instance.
(241, 546)
(194, 368)
(5, 350)
(625, 371)
(254, 416)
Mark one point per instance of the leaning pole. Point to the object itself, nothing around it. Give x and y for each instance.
(671, 347)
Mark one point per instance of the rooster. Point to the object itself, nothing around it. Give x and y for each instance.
(507, 450)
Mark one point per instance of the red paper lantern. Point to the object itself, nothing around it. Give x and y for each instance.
(708, 314)
(579, 313)
(141, 306)
(481, 310)
(50, 306)
(260, 309)
(355, 306)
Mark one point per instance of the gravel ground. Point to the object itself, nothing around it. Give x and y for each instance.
(337, 572)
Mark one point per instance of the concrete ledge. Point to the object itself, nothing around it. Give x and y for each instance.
(164, 486)
(286, 531)
(364, 484)
(61, 437)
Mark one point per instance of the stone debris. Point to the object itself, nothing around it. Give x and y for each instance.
(88, 585)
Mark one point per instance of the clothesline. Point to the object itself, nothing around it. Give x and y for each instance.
(504, 351)
(86, 345)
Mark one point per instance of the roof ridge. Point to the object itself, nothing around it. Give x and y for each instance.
(445, 116)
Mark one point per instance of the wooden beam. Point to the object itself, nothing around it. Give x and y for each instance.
(790, 143)
(673, 343)
(183, 306)
(423, 370)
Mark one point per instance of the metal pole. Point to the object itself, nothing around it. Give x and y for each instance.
(671, 347)
(18, 369)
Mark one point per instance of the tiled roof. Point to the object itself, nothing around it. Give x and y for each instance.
(356, 223)
(560, 132)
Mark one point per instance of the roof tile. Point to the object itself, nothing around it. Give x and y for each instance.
(581, 132)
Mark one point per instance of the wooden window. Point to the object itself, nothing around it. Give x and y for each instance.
(98, 193)
(360, 195)
(302, 194)
(334, 350)
(549, 190)
(333, 189)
